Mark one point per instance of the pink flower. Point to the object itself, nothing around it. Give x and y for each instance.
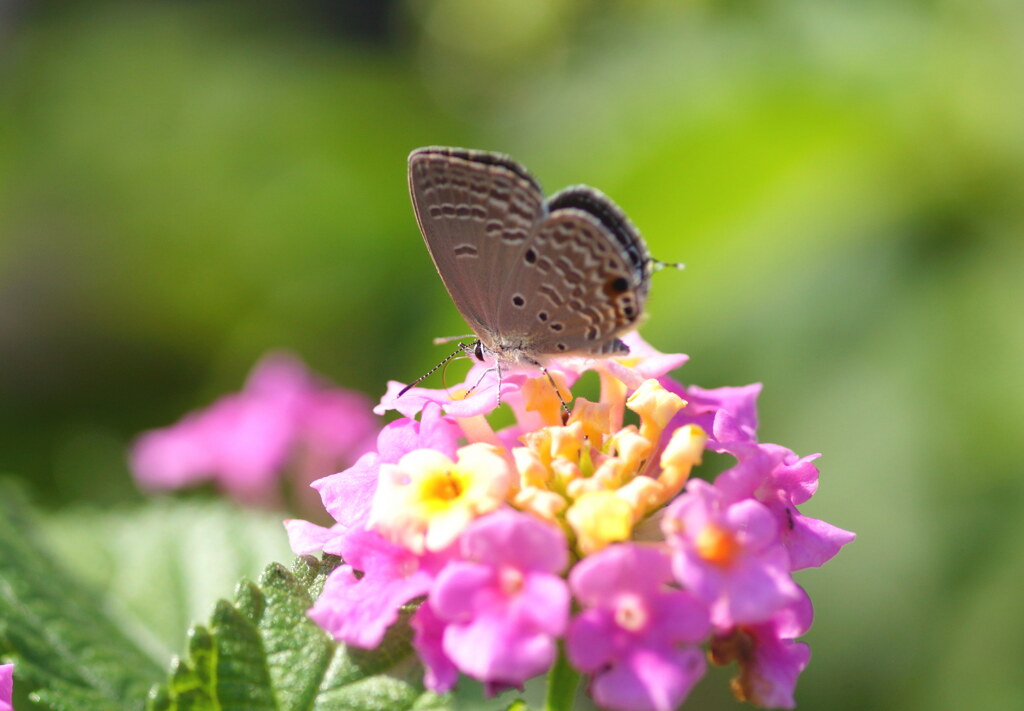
(359, 609)
(481, 384)
(728, 555)
(781, 480)
(6, 687)
(348, 495)
(283, 420)
(727, 414)
(482, 400)
(644, 362)
(504, 603)
(428, 499)
(769, 659)
(636, 635)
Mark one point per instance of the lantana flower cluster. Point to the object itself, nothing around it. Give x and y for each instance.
(588, 533)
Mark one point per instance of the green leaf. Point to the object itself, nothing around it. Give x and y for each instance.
(164, 565)
(263, 652)
(260, 651)
(65, 647)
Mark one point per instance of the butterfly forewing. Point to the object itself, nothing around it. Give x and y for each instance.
(476, 211)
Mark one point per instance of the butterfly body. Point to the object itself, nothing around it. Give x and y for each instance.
(534, 278)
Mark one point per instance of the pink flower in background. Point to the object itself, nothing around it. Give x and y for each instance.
(6, 687)
(284, 421)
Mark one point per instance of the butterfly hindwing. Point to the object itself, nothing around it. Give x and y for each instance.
(575, 289)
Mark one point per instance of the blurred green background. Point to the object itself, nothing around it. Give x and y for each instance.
(185, 185)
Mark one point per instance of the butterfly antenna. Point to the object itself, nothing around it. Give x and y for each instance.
(659, 265)
(449, 339)
(462, 350)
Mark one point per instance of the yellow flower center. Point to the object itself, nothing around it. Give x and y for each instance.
(595, 477)
(439, 488)
(426, 500)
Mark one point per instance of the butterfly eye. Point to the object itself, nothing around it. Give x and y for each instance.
(478, 351)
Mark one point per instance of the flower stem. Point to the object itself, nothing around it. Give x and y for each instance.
(562, 684)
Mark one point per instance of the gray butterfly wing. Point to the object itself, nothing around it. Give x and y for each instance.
(477, 211)
(581, 281)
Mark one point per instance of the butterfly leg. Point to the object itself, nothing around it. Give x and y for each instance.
(497, 366)
(481, 379)
(565, 408)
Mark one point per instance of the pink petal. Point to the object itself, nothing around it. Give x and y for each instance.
(347, 495)
(428, 634)
(358, 611)
(812, 542)
(601, 578)
(490, 649)
(649, 681)
(755, 590)
(458, 587)
(510, 538)
(305, 537)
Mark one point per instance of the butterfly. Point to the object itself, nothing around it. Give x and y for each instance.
(534, 277)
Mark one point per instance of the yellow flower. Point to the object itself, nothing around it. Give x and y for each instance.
(599, 518)
(425, 501)
(656, 407)
(594, 417)
(683, 452)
